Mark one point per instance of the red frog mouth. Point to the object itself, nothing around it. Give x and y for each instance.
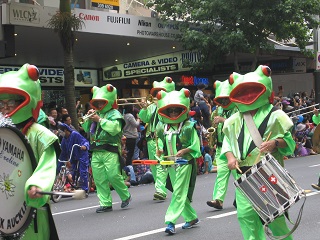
(247, 93)
(223, 101)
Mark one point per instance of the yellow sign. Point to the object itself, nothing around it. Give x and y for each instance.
(101, 3)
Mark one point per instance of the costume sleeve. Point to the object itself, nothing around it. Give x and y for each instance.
(86, 125)
(146, 114)
(113, 127)
(42, 177)
(316, 119)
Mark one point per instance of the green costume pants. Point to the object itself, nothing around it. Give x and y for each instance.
(43, 227)
(222, 179)
(159, 173)
(251, 225)
(106, 169)
(180, 205)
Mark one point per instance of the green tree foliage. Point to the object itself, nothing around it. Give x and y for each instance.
(64, 23)
(221, 28)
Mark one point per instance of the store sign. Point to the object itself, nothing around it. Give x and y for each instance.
(106, 4)
(168, 63)
(54, 77)
(193, 80)
(94, 21)
(299, 65)
(27, 14)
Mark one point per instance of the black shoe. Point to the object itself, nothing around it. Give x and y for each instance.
(317, 187)
(126, 203)
(218, 204)
(102, 209)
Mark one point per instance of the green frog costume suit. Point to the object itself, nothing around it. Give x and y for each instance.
(225, 108)
(254, 91)
(24, 84)
(150, 117)
(172, 139)
(105, 139)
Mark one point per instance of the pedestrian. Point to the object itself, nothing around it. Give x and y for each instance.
(178, 139)
(105, 124)
(202, 102)
(130, 131)
(252, 94)
(20, 101)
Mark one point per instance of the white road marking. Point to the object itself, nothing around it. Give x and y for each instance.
(79, 209)
(317, 165)
(162, 229)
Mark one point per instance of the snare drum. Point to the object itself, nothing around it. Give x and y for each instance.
(17, 163)
(269, 188)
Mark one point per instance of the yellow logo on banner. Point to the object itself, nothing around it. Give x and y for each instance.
(108, 2)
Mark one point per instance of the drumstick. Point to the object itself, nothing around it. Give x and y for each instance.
(77, 194)
(257, 159)
(169, 156)
(237, 167)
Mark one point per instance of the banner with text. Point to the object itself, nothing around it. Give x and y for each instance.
(106, 4)
(54, 77)
(94, 21)
(168, 63)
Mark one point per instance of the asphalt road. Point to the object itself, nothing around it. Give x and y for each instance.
(144, 218)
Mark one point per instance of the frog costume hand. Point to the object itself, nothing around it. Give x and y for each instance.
(23, 85)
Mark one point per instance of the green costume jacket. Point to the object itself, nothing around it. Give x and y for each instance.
(279, 124)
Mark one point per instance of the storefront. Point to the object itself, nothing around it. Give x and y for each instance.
(52, 83)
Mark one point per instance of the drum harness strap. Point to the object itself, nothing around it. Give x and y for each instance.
(257, 140)
(254, 132)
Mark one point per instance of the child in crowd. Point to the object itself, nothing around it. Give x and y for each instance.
(208, 167)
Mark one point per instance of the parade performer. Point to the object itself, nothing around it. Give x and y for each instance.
(105, 124)
(316, 120)
(80, 154)
(148, 114)
(252, 93)
(225, 108)
(178, 138)
(20, 100)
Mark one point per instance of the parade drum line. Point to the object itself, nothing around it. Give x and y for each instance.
(17, 164)
(269, 188)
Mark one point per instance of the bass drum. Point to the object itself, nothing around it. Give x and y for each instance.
(17, 163)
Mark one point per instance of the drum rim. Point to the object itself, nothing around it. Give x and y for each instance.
(32, 210)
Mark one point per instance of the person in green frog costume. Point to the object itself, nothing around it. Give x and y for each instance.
(148, 114)
(20, 101)
(178, 138)
(316, 120)
(105, 127)
(225, 108)
(253, 96)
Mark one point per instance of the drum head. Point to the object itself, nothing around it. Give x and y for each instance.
(17, 163)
